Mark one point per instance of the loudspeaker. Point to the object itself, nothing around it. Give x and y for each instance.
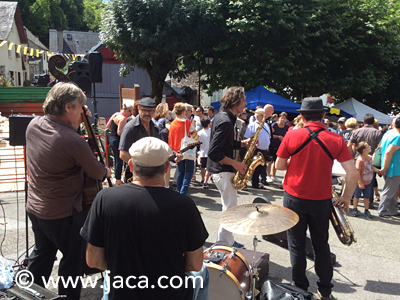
(18, 125)
(79, 72)
(95, 59)
(43, 80)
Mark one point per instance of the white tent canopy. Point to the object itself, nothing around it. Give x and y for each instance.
(359, 110)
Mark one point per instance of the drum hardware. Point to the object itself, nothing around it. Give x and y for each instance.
(254, 219)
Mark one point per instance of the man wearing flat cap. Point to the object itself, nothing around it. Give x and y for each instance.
(307, 154)
(140, 126)
(146, 236)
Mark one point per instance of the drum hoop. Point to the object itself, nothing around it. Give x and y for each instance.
(230, 249)
(227, 272)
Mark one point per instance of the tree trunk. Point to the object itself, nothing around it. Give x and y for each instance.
(157, 85)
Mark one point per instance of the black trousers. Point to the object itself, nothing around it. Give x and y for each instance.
(314, 215)
(255, 180)
(50, 236)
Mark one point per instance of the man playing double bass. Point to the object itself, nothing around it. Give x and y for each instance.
(57, 158)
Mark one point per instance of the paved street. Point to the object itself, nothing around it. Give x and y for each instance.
(368, 269)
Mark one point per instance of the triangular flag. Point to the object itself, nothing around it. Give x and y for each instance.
(2, 43)
(25, 50)
(19, 49)
(10, 46)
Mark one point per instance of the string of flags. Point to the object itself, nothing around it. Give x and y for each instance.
(37, 52)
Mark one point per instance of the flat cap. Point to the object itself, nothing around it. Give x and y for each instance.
(260, 111)
(147, 102)
(341, 119)
(150, 152)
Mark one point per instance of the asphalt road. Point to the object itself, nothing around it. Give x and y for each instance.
(368, 269)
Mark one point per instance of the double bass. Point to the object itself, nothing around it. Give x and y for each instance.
(91, 186)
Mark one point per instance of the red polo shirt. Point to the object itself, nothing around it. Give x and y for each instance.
(309, 174)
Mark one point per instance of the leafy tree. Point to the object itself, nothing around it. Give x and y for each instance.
(306, 47)
(153, 35)
(92, 14)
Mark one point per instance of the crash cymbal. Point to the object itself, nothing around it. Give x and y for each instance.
(258, 219)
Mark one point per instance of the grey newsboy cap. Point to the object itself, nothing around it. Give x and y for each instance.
(311, 104)
(147, 102)
(149, 152)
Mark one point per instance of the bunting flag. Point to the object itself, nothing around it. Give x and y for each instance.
(37, 52)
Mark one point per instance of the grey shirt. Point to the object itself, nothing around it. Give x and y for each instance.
(368, 134)
(57, 158)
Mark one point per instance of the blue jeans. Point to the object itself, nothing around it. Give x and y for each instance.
(366, 192)
(118, 162)
(200, 291)
(313, 214)
(184, 176)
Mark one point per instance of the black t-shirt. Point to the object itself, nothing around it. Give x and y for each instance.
(275, 142)
(145, 231)
(346, 134)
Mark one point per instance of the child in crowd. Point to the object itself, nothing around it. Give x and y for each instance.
(365, 186)
(204, 138)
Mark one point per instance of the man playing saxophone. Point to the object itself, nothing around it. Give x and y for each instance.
(307, 154)
(220, 161)
(264, 138)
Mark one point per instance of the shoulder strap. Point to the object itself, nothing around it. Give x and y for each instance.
(314, 136)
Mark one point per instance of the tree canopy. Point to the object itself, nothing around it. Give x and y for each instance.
(41, 15)
(153, 35)
(308, 47)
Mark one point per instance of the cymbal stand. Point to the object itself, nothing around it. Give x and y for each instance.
(254, 269)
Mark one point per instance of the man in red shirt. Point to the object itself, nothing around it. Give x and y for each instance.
(308, 190)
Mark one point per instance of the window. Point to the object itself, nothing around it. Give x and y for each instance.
(9, 50)
(69, 36)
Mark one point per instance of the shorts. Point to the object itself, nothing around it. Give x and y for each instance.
(203, 161)
(272, 152)
(366, 192)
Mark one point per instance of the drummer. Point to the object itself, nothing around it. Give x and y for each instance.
(140, 231)
(308, 191)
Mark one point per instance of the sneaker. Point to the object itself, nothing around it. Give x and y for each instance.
(269, 180)
(355, 212)
(237, 245)
(276, 179)
(367, 214)
(205, 186)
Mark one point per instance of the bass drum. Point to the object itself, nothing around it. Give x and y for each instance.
(229, 273)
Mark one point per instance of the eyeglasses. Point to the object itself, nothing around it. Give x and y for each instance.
(147, 111)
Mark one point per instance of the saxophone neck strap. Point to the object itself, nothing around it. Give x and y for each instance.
(314, 136)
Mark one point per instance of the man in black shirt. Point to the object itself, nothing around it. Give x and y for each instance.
(140, 126)
(220, 155)
(146, 236)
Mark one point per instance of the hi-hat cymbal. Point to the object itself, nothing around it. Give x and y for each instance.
(258, 219)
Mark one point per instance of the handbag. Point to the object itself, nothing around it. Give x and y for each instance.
(282, 291)
(377, 157)
(191, 153)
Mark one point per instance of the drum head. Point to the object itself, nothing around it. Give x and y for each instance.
(225, 287)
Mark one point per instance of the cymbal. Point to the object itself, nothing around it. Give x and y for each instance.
(258, 219)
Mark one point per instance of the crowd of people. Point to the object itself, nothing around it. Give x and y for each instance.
(129, 224)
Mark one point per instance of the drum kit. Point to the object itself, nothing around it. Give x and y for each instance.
(231, 275)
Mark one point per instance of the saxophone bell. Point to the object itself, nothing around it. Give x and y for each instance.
(341, 223)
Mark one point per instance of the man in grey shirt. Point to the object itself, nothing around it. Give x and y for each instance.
(57, 159)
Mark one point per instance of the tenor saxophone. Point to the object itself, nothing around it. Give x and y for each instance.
(251, 162)
(341, 223)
